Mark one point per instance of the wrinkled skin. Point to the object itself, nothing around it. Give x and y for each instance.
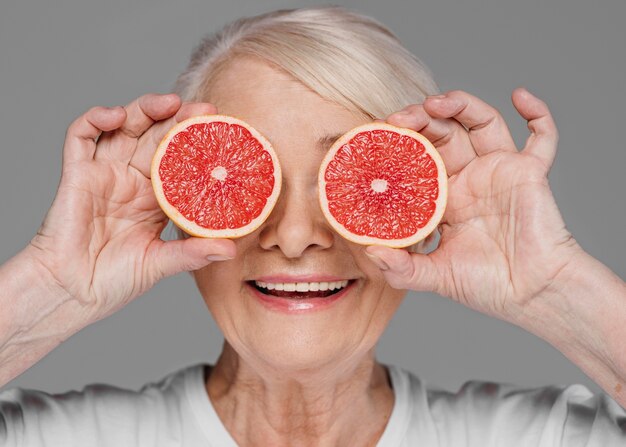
(503, 241)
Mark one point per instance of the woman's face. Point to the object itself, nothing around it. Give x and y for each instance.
(288, 330)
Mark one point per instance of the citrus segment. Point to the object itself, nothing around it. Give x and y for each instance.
(216, 176)
(380, 184)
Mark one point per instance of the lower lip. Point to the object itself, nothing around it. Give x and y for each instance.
(298, 306)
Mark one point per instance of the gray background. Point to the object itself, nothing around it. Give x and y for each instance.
(59, 58)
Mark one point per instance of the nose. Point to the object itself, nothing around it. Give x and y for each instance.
(296, 225)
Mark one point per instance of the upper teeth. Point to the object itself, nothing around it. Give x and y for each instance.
(302, 286)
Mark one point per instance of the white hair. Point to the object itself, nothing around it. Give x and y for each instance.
(343, 56)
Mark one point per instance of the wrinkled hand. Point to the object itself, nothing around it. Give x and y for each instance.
(101, 238)
(503, 241)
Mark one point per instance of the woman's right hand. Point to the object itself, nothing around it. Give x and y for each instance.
(100, 240)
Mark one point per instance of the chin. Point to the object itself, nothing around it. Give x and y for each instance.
(305, 345)
(300, 353)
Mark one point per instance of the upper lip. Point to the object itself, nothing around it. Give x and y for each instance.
(300, 278)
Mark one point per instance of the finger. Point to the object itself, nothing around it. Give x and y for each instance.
(487, 129)
(141, 114)
(172, 257)
(447, 135)
(404, 270)
(544, 136)
(146, 110)
(82, 134)
(192, 109)
(142, 158)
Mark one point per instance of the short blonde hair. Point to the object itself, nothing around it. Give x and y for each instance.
(343, 56)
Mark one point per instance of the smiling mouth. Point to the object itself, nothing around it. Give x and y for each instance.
(301, 290)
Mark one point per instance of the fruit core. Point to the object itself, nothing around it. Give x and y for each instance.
(379, 185)
(219, 173)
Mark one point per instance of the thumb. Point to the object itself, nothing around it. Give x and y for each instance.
(404, 270)
(171, 257)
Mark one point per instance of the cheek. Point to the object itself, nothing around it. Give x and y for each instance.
(224, 278)
(385, 299)
(216, 282)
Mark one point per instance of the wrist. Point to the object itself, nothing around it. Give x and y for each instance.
(582, 314)
(562, 308)
(36, 313)
(40, 275)
(30, 294)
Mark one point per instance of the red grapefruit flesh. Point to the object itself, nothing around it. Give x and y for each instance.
(216, 176)
(383, 185)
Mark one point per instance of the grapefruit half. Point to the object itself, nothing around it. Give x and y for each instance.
(383, 185)
(216, 176)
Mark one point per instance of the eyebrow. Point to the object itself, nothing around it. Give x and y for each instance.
(325, 142)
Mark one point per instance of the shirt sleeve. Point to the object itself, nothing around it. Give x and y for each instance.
(25, 416)
(489, 414)
(157, 414)
(98, 415)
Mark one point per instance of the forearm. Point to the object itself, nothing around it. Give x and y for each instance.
(36, 315)
(583, 315)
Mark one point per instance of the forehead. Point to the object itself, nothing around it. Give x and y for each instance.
(275, 103)
(243, 82)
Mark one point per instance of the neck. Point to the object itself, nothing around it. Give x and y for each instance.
(348, 404)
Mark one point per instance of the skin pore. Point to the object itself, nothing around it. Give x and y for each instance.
(305, 378)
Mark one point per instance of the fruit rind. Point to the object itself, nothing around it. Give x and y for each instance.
(442, 179)
(191, 227)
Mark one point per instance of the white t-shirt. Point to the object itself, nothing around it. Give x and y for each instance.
(177, 412)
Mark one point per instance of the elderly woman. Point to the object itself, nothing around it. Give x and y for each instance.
(293, 376)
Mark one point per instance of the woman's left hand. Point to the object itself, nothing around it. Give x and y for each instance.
(503, 241)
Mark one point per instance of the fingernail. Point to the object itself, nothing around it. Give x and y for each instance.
(379, 262)
(218, 257)
(436, 97)
(400, 113)
(528, 91)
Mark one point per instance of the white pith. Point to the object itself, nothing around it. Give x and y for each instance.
(219, 173)
(379, 185)
(302, 286)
